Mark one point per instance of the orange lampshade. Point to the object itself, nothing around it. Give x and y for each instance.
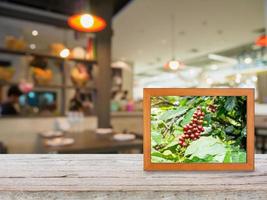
(262, 41)
(86, 23)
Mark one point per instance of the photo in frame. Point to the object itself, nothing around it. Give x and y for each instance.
(199, 129)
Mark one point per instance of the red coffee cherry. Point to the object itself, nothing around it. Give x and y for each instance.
(197, 134)
(200, 122)
(184, 144)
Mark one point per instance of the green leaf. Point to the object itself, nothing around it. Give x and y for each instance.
(207, 130)
(230, 103)
(208, 159)
(229, 129)
(171, 144)
(244, 132)
(183, 102)
(228, 157)
(232, 121)
(239, 157)
(156, 159)
(156, 153)
(188, 117)
(167, 153)
(207, 118)
(207, 146)
(156, 137)
(178, 132)
(172, 113)
(166, 157)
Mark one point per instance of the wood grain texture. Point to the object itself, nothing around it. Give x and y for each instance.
(149, 92)
(108, 172)
(111, 176)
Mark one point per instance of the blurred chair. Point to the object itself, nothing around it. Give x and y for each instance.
(3, 148)
(261, 139)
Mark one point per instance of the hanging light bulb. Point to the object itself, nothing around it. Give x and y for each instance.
(64, 53)
(173, 64)
(248, 60)
(87, 20)
(86, 23)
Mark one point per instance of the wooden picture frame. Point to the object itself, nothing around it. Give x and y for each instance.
(246, 166)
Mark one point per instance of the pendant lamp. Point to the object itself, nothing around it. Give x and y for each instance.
(85, 22)
(173, 64)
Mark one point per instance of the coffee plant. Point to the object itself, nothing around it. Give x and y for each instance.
(208, 129)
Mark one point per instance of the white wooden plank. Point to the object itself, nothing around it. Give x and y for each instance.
(113, 175)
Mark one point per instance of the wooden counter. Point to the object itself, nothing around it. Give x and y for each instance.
(121, 176)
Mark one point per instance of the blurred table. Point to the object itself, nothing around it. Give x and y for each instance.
(121, 176)
(90, 142)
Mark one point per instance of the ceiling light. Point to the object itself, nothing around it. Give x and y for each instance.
(254, 78)
(32, 46)
(64, 53)
(86, 23)
(173, 65)
(35, 32)
(248, 60)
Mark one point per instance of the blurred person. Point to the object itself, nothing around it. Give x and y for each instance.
(124, 95)
(10, 107)
(76, 103)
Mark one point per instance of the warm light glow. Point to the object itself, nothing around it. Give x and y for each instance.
(32, 46)
(262, 41)
(86, 23)
(35, 32)
(64, 53)
(254, 78)
(174, 65)
(248, 60)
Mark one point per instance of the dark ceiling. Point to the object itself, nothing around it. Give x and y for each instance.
(65, 7)
(52, 12)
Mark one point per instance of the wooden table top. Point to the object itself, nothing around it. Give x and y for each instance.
(120, 176)
(89, 142)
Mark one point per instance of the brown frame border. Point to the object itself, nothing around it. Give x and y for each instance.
(248, 166)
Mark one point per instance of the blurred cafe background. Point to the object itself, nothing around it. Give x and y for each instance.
(72, 72)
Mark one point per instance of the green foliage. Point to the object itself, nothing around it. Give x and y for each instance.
(224, 136)
(206, 147)
(230, 103)
(172, 113)
(187, 118)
